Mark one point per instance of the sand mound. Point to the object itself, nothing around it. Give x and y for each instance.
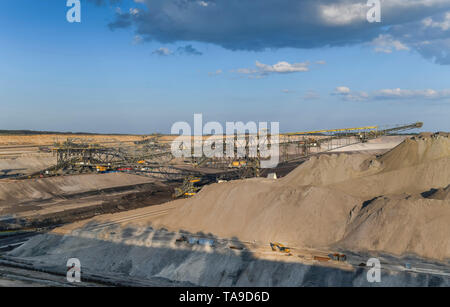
(421, 162)
(329, 169)
(336, 199)
(419, 226)
(416, 150)
(412, 180)
(416, 165)
(249, 212)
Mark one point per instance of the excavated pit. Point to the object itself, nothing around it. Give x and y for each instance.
(392, 206)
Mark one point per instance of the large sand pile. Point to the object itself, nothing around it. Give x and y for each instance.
(399, 225)
(396, 203)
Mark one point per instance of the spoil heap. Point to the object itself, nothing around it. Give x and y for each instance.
(397, 203)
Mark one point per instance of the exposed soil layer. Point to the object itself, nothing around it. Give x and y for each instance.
(54, 201)
(150, 195)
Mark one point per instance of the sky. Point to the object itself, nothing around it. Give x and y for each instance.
(140, 66)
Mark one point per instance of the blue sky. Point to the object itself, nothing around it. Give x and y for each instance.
(169, 60)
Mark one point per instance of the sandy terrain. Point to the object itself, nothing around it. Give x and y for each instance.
(50, 139)
(26, 163)
(329, 200)
(349, 202)
(378, 144)
(40, 202)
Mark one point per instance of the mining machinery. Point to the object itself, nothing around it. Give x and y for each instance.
(152, 155)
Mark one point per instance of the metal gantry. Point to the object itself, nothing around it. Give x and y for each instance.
(151, 155)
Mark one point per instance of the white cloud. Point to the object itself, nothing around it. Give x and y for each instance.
(386, 43)
(282, 67)
(162, 51)
(429, 36)
(134, 11)
(398, 93)
(444, 25)
(391, 94)
(203, 3)
(342, 90)
(345, 93)
(343, 14)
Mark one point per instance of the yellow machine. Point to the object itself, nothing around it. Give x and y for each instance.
(101, 168)
(238, 163)
(188, 187)
(280, 247)
(367, 128)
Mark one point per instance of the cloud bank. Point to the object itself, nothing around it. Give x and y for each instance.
(419, 25)
(391, 94)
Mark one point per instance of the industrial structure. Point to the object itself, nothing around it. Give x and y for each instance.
(152, 156)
